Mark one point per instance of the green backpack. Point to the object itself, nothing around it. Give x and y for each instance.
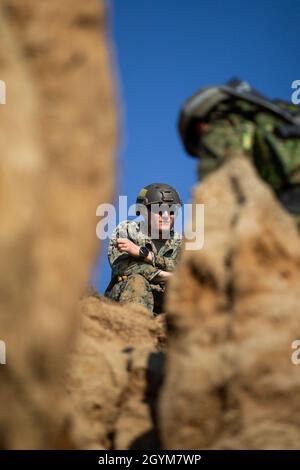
(218, 122)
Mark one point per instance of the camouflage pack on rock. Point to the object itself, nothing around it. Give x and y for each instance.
(219, 122)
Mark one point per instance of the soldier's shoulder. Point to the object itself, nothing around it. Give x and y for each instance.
(126, 228)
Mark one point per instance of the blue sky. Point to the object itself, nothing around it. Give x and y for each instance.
(164, 51)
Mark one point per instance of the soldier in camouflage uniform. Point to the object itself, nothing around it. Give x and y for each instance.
(141, 265)
(221, 122)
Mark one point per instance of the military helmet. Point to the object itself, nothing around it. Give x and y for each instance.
(158, 193)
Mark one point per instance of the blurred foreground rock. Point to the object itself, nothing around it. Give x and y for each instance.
(114, 378)
(233, 313)
(58, 135)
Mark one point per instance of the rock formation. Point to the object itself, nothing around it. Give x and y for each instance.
(114, 378)
(233, 313)
(58, 135)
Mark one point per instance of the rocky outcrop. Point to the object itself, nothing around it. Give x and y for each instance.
(233, 313)
(58, 133)
(114, 378)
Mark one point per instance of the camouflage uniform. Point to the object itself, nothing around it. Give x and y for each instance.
(232, 120)
(133, 279)
(230, 134)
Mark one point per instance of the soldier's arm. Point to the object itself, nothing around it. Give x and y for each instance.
(168, 263)
(128, 267)
(124, 258)
(165, 263)
(114, 252)
(163, 276)
(124, 262)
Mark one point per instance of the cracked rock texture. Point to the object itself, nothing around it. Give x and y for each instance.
(58, 135)
(233, 313)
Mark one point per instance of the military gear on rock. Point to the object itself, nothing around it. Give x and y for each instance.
(234, 119)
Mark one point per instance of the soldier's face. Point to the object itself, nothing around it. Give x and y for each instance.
(162, 218)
